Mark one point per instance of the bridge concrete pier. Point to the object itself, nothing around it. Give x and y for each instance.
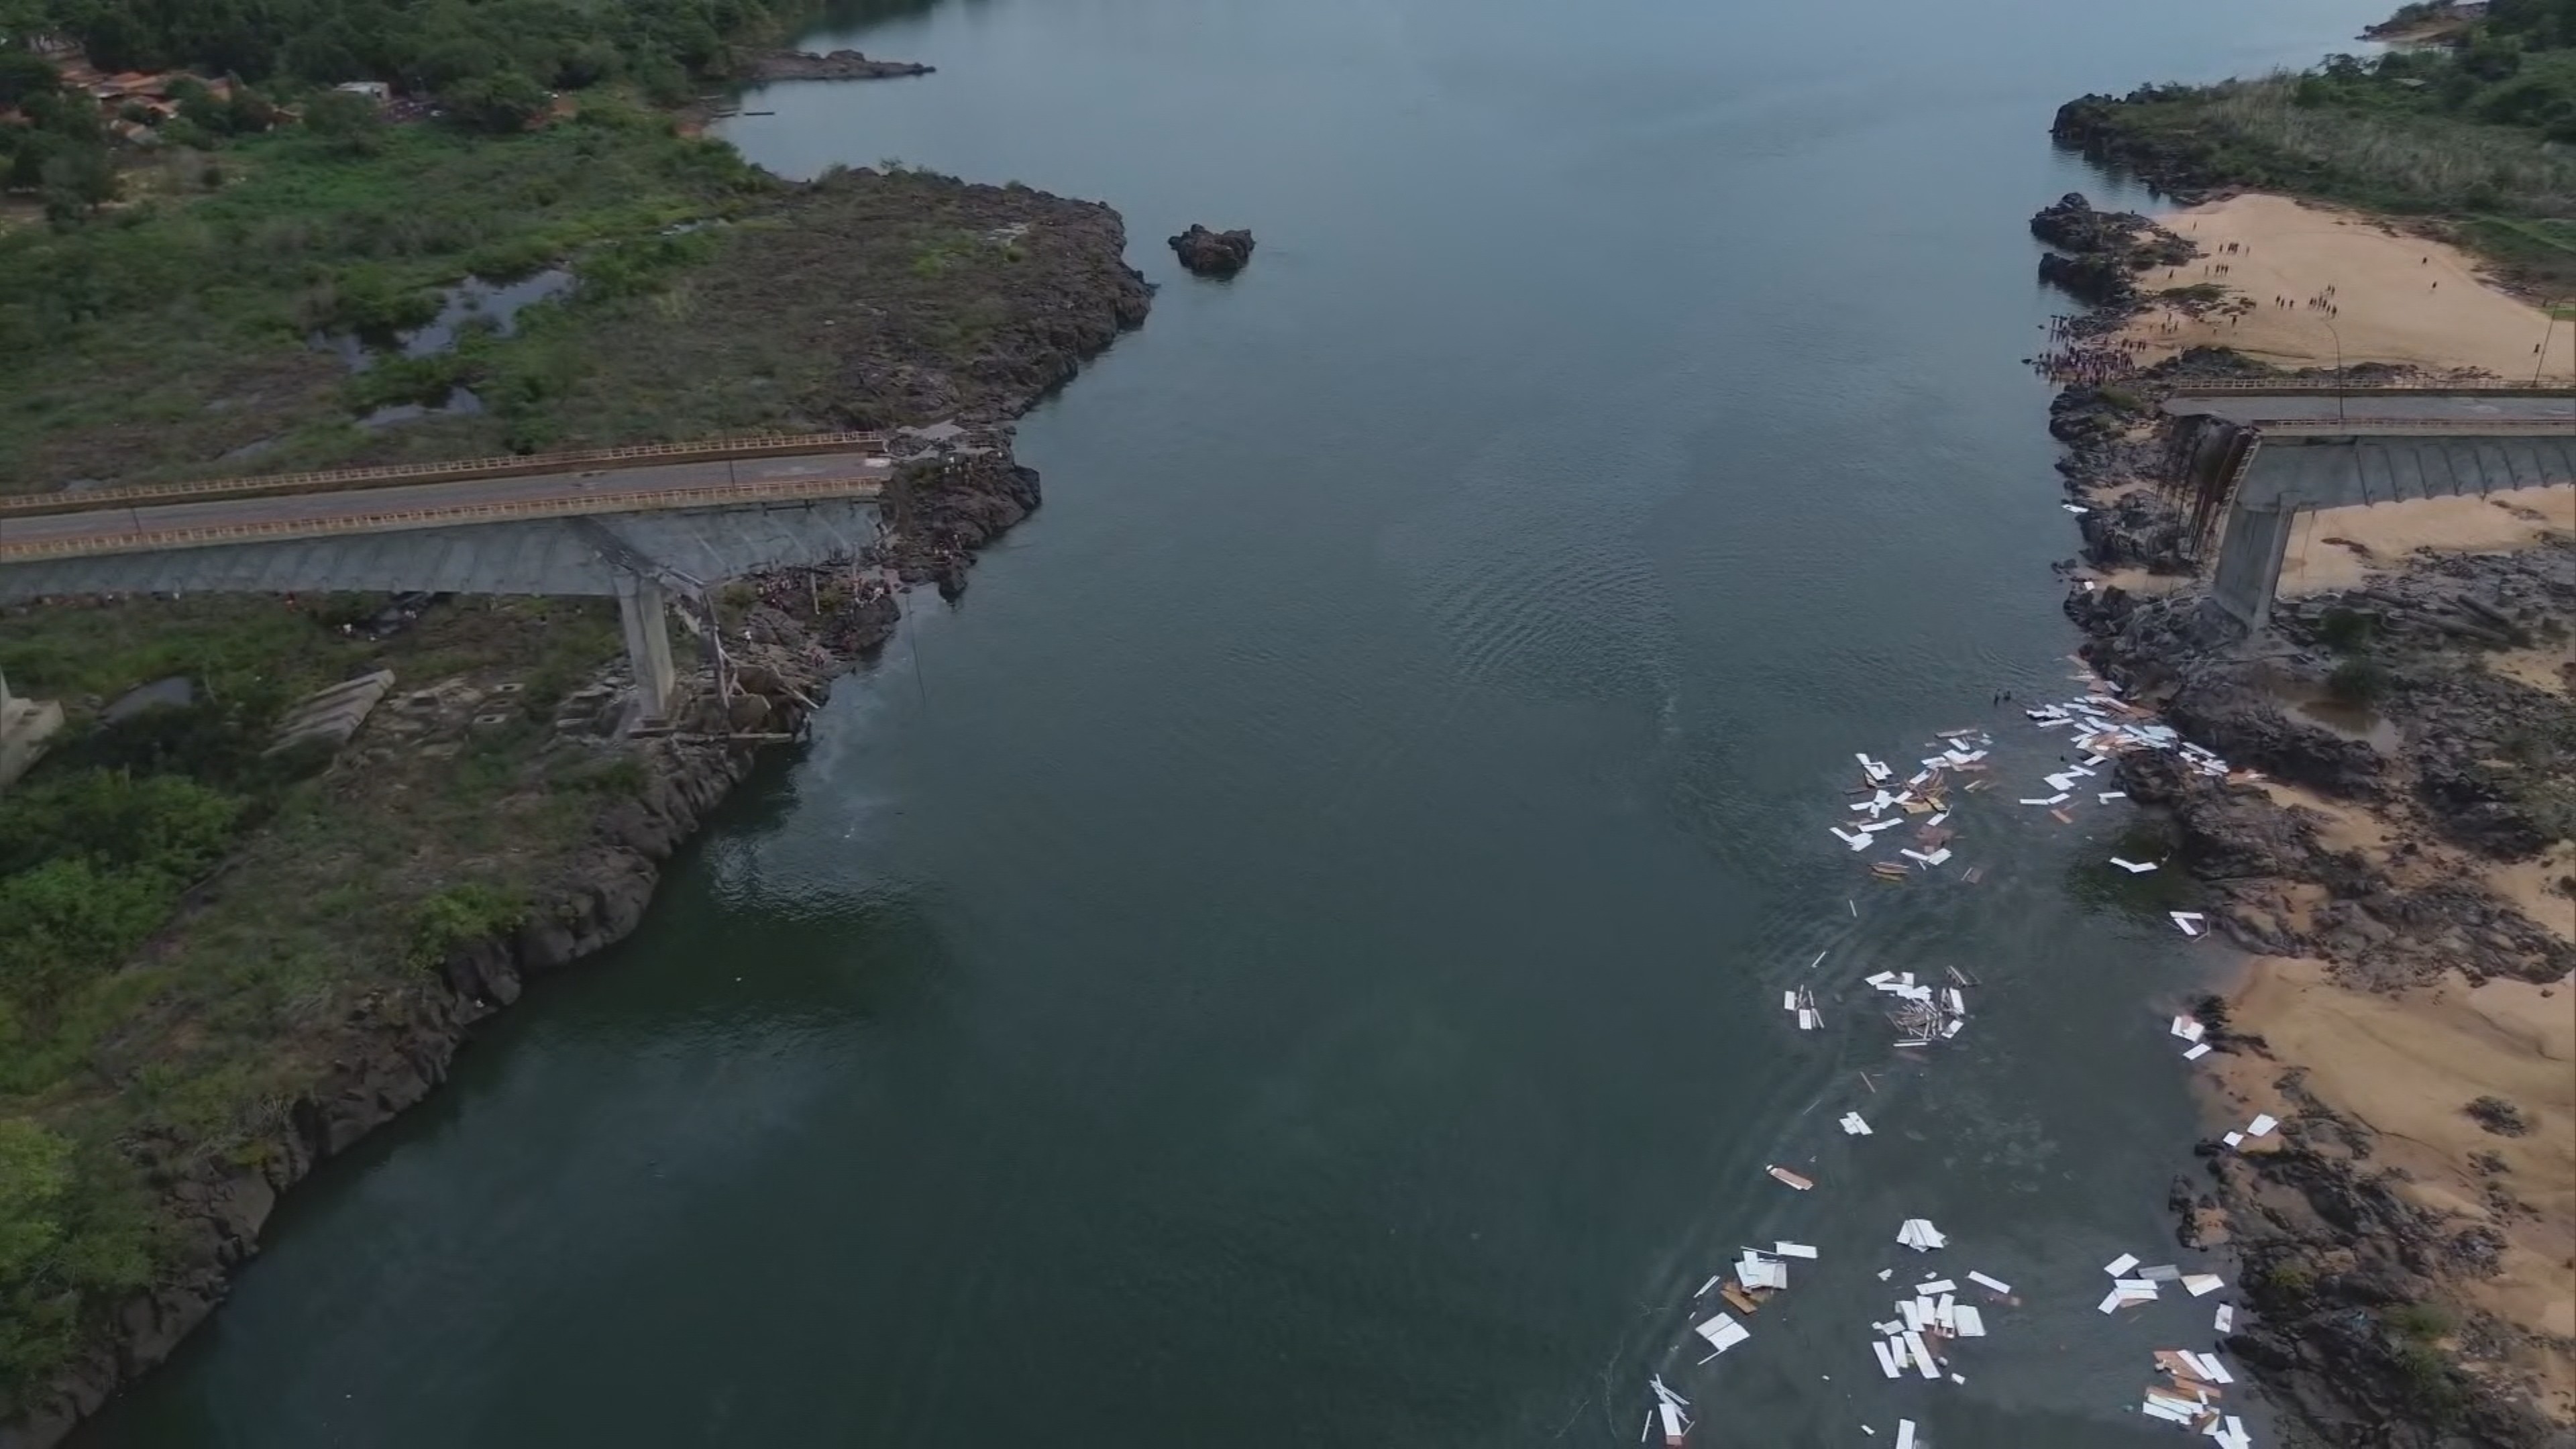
(2249, 563)
(643, 612)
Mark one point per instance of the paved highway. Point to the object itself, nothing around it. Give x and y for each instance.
(110, 523)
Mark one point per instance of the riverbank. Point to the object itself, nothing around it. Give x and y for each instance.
(489, 825)
(2397, 881)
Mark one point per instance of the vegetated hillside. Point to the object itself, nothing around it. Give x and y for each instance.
(2478, 132)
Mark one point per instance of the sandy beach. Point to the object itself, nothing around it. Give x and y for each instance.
(2397, 297)
(2406, 1065)
(2340, 548)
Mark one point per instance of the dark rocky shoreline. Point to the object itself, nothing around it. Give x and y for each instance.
(958, 487)
(793, 65)
(2332, 1255)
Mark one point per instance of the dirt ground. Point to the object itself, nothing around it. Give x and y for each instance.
(2398, 298)
(2339, 548)
(2406, 1065)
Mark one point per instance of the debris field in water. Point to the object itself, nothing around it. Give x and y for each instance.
(1934, 1316)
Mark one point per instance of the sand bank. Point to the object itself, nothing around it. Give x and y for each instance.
(2399, 298)
(2340, 548)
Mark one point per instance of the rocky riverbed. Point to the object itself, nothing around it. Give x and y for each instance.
(2418, 752)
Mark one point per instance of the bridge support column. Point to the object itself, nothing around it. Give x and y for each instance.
(2249, 562)
(641, 609)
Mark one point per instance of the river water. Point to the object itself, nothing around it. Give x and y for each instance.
(1294, 958)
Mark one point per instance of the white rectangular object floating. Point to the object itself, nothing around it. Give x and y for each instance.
(2202, 1284)
(1853, 1124)
(1723, 1332)
(1905, 1434)
(1887, 1363)
(2120, 1264)
(2225, 1322)
(1996, 1285)
(2262, 1125)
(2133, 867)
(1792, 1250)
(2196, 1053)
(1932, 1286)
(1922, 1356)
(1967, 1322)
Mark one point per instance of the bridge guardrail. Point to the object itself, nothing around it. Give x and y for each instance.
(405, 519)
(508, 465)
(2414, 427)
(2364, 389)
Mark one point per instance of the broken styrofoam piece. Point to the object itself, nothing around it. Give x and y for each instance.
(2234, 1139)
(1923, 1360)
(2262, 1125)
(1792, 1250)
(2135, 1287)
(1933, 1286)
(2120, 1264)
(2133, 867)
(1754, 1271)
(1967, 1322)
(1723, 1332)
(2161, 1273)
(1853, 1125)
(2202, 1284)
(2207, 1367)
(1675, 1424)
(2225, 1321)
(2196, 1053)
(1994, 1285)
(1888, 1363)
(1656, 1382)
(1920, 1235)
(2189, 1028)
(2113, 1301)
(2107, 796)
(1905, 1434)
(1713, 1280)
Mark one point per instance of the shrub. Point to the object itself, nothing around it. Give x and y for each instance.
(459, 916)
(2357, 681)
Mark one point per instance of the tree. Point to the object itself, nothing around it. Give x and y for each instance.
(23, 74)
(503, 102)
(78, 180)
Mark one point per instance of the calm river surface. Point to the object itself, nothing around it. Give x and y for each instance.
(1294, 959)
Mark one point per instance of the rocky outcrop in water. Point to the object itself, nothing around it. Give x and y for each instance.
(786, 65)
(1213, 253)
(2098, 255)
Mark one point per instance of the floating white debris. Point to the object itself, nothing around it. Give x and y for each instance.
(1967, 1322)
(1675, 1426)
(2075, 508)
(1802, 1184)
(1923, 1360)
(2202, 1284)
(1856, 839)
(2120, 1264)
(2262, 1125)
(1920, 1235)
(2135, 1287)
(1792, 1250)
(1755, 1271)
(1887, 1360)
(2196, 1053)
(2188, 922)
(1931, 1286)
(2188, 1028)
(1713, 1280)
(2133, 867)
(1853, 1124)
(1723, 1332)
(2161, 1273)
(2209, 1367)
(1905, 1434)
(1992, 1284)
(2107, 796)
(2225, 1322)
(2234, 1139)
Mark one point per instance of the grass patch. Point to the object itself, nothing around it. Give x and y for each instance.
(139, 1049)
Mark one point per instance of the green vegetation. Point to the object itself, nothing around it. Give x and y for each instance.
(133, 1053)
(2357, 681)
(2424, 1322)
(173, 330)
(2479, 132)
(2346, 631)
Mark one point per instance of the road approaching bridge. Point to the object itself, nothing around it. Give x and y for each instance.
(632, 524)
(2257, 459)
